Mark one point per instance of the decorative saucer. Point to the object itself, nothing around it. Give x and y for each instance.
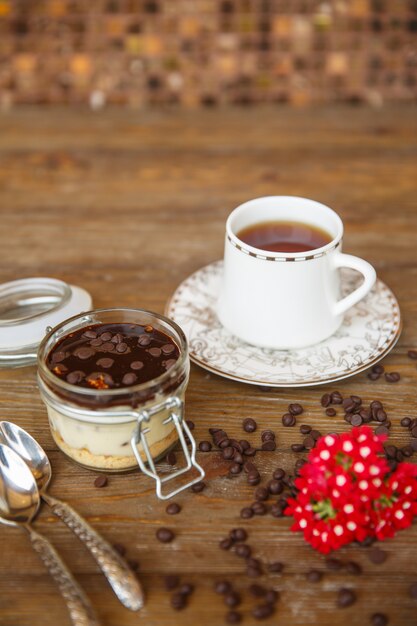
(369, 331)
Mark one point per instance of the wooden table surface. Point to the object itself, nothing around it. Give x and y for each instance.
(129, 204)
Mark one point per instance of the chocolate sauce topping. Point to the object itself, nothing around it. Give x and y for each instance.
(108, 356)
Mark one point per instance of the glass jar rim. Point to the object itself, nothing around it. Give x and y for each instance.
(51, 378)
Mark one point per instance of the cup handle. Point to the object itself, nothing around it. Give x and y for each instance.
(368, 273)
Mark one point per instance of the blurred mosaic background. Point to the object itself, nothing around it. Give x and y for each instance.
(207, 52)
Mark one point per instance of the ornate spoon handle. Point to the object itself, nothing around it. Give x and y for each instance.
(122, 580)
(79, 607)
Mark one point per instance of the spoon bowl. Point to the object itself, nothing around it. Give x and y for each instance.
(19, 495)
(29, 450)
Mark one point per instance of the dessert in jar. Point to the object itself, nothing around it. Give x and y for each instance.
(113, 382)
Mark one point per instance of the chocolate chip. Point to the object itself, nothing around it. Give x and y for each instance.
(336, 397)
(106, 336)
(345, 598)
(84, 353)
(107, 347)
(381, 430)
(412, 354)
(75, 377)
(136, 365)
(288, 420)
(222, 587)
(198, 487)
(269, 446)
(144, 340)
(295, 409)
(330, 412)
(381, 416)
(167, 348)
(164, 535)
(233, 617)
(249, 425)
(173, 508)
(155, 352)
(90, 334)
(379, 619)
(377, 556)
(105, 362)
(121, 347)
(96, 342)
(117, 338)
(100, 481)
(392, 377)
(129, 378)
(171, 581)
(314, 576)
(356, 420)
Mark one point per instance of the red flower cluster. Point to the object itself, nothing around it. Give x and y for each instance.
(347, 492)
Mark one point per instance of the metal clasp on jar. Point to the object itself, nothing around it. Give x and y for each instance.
(176, 408)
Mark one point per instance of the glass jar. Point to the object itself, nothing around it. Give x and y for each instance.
(115, 430)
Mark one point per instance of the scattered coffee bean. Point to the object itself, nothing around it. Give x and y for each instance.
(178, 601)
(392, 377)
(269, 446)
(171, 581)
(412, 354)
(345, 597)
(164, 535)
(243, 550)
(257, 590)
(232, 599)
(279, 473)
(336, 398)
(173, 508)
(226, 544)
(288, 420)
(309, 442)
(412, 590)
(277, 510)
(325, 400)
(333, 564)
(186, 589)
(249, 452)
(120, 548)
(316, 434)
(275, 487)
(295, 409)
(246, 513)
(373, 376)
(244, 445)
(305, 429)
(314, 576)
(405, 422)
(222, 587)
(379, 619)
(330, 412)
(259, 508)
(233, 617)
(238, 534)
(171, 458)
(190, 424)
(100, 481)
(267, 435)
(254, 479)
(353, 568)
(263, 611)
(276, 567)
(382, 430)
(261, 493)
(271, 596)
(377, 556)
(235, 469)
(198, 487)
(204, 446)
(249, 425)
(228, 453)
(297, 447)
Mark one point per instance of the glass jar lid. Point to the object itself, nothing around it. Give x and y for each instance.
(28, 307)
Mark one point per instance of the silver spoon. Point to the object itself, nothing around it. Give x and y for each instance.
(122, 580)
(19, 503)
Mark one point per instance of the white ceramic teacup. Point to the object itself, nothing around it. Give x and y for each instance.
(286, 300)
